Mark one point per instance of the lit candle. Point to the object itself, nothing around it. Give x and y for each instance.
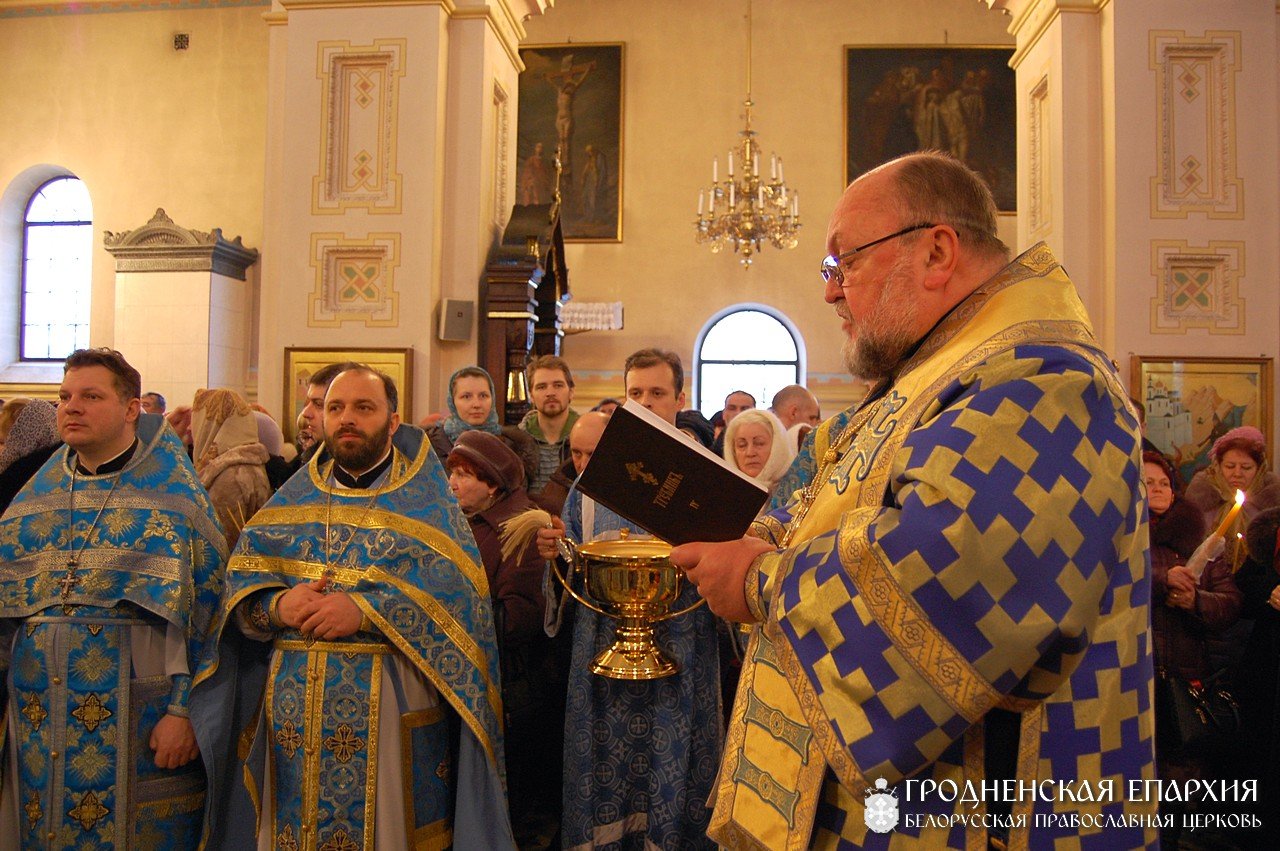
(1231, 515)
(773, 167)
(795, 205)
(701, 201)
(733, 195)
(715, 170)
(760, 195)
(755, 163)
(731, 163)
(780, 177)
(711, 208)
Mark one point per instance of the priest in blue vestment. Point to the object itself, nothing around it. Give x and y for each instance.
(381, 717)
(111, 565)
(640, 757)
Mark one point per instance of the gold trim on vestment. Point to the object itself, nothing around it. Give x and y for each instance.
(1028, 766)
(131, 499)
(992, 320)
(493, 697)
(350, 576)
(939, 664)
(312, 720)
(399, 474)
(201, 676)
(332, 646)
(371, 758)
(437, 834)
(168, 568)
(378, 518)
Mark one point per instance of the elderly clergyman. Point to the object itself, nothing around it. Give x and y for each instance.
(961, 593)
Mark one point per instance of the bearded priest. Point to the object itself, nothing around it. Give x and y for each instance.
(381, 719)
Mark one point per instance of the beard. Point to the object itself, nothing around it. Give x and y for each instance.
(882, 340)
(362, 455)
(551, 407)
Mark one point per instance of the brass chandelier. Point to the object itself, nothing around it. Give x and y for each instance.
(745, 211)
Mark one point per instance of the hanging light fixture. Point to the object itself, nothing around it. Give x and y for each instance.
(745, 211)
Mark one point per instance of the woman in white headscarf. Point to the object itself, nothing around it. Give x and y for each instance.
(756, 444)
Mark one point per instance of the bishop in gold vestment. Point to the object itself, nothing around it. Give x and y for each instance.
(960, 595)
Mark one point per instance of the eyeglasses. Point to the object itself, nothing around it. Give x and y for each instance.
(832, 264)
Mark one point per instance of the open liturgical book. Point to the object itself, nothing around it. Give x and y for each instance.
(654, 475)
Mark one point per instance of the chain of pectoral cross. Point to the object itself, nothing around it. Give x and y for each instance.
(71, 580)
(329, 572)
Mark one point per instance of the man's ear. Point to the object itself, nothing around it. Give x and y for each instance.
(944, 254)
(133, 411)
(395, 424)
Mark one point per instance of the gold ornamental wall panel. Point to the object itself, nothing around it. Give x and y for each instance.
(1041, 177)
(360, 100)
(355, 281)
(1197, 287)
(1196, 170)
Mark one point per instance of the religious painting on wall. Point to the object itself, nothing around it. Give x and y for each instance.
(300, 364)
(571, 101)
(955, 99)
(1191, 402)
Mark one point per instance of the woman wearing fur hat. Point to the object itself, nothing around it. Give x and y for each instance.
(1237, 461)
(1184, 610)
(489, 481)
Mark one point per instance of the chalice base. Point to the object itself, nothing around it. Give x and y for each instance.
(634, 655)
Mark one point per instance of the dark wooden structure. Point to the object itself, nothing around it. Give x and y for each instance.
(525, 282)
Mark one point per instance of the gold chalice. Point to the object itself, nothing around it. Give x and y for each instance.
(632, 580)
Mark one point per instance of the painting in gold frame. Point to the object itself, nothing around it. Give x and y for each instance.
(904, 98)
(571, 95)
(1191, 402)
(301, 363)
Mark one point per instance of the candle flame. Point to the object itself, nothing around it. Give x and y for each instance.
(1239, 497)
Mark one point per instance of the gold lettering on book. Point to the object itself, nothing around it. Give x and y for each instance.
(668, 489)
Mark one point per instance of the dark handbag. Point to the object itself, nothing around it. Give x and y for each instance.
(1194, 714)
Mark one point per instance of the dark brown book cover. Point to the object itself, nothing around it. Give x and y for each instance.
(651, 473)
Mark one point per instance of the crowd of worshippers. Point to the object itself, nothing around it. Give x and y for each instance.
(223, 459)
(250, 542)
(212, 639)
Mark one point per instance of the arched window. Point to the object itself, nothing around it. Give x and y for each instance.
(57, 252)
(747, 347)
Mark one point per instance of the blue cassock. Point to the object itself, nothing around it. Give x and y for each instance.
(640, 758)
(149, 555)
(404, 552)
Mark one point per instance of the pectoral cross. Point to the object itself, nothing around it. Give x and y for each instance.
(68, 583)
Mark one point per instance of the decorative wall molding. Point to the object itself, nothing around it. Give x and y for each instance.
(355, 281)
(360, 104)
(58, 8)
(1196, 170)
(1197, 287)
(1039, 172)
(501, 154)
(161, 245)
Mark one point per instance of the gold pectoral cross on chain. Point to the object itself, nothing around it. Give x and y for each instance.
(69, 583)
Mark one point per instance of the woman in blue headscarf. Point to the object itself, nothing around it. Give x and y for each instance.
(471, 409)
